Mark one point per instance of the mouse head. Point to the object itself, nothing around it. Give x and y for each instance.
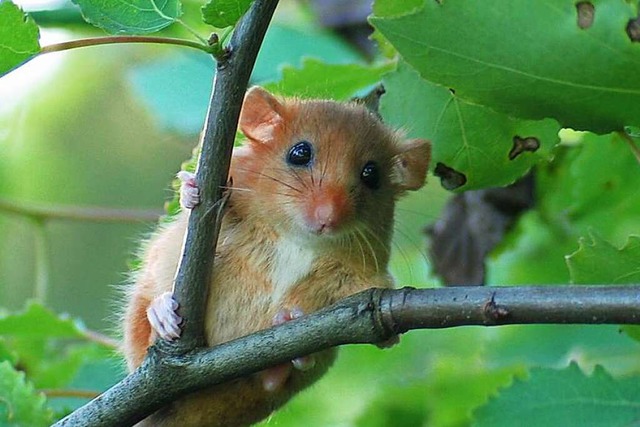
(322, 169)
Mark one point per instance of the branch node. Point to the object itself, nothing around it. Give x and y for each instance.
(494, 312)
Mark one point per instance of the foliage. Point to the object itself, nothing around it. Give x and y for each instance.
(489, 83)
(566, 397)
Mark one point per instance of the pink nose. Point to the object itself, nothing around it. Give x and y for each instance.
(327, 210)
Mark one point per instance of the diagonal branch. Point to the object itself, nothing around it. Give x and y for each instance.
(371, 316)
(232, 77)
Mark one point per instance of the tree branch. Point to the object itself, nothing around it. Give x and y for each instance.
(371, 316)
(230, 84)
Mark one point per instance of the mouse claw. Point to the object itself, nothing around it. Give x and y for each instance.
(163, 318)
(189, 192)
(303, 363)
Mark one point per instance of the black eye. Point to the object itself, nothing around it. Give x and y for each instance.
(300, 154)
(370, 175)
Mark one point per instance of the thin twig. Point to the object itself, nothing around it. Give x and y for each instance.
(102, 339)
(632, 144)
(78, 213)
(97, 41)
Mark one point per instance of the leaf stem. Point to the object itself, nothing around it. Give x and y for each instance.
(96, 41)
(101, 339)
(41, 211)
(632, 144)
(42, 261)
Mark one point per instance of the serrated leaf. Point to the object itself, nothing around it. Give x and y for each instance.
(37, 322)
(224, 13)
(317, 79)
(19, 36)
(20, 405)
(528, 59)
(564, 398)
(473, 140)
(599, 262)
(130, 16)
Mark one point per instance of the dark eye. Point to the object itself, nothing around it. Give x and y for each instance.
(370, 175)
(300, 154)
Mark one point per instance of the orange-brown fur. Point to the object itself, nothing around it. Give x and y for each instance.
(268, 222)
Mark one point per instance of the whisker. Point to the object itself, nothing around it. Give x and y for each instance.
(279, 181)
(364, 260)
(368, 243)
(412, 242)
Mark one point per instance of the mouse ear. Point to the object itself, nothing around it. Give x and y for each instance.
(411, 164)
(261, 115)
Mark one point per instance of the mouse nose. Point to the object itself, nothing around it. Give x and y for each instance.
(327, 210)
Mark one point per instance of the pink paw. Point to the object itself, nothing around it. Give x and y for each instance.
(189, 193)
(274, 378)
(163, 317)
(303, 363)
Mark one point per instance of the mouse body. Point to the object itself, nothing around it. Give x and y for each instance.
(309, 220)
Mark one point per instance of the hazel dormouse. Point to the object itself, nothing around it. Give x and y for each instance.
(309, 220)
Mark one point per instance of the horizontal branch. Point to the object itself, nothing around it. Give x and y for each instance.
(78, 213)
(371, 316)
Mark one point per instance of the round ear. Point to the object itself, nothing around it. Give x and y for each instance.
(261, 115)
(411, 164)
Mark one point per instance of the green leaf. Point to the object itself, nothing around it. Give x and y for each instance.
(473, 140)
(18, 37)
(6, 353)
(599, 262)
(396, 8)
(565, 398)
(130, 16)
(20, 405)
(317, 79)
(224, 13)
(37, 322)
(591, 186)
(527, 59)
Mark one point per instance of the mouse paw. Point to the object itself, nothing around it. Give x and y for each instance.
(274, 378)
(163, 317)
(303, 363)
(189, 192)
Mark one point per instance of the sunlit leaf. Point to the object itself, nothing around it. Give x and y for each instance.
(317, 79)
(130, 16)
(224, 13)
(18, 37)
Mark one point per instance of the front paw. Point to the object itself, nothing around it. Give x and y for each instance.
(163, 318)
(274, 378)
(303, 363)
(189, 192)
